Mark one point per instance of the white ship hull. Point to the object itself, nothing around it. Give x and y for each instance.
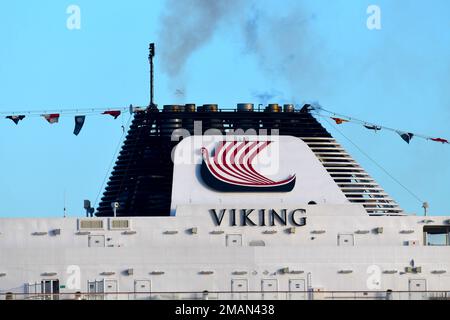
(235, 245)
(165, 256)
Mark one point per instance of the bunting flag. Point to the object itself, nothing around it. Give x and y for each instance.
(372, 127)
(440, 140)
(16, 119)
(79, 122)
(339, 120)
(406, 136)
(113, 113)
(51, 117)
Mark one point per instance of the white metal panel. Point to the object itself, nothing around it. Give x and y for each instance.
(346, 240)
(417, 288)
(239, 289)
(269, 287)
(111, 288)
(234, 240)
(297, 289)
(183, 256)
(96, 241)
(142, 289)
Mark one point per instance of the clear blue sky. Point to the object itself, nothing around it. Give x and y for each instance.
(302, 51)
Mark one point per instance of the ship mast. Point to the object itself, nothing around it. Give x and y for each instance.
(150, 59)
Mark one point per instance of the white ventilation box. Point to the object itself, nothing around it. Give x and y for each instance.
(119, 224)
(90, 224)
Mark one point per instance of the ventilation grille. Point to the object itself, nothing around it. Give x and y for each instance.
(357, 185)
(90, 224)
(119, 224)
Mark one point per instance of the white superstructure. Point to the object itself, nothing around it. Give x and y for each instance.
(330, 237)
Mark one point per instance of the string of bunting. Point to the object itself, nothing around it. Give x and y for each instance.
(340, 119)
(53, 116)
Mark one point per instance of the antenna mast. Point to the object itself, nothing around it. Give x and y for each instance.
(65, 213)
(425, 207)
(150, 59)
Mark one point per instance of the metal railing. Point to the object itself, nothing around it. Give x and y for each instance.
(251, 295)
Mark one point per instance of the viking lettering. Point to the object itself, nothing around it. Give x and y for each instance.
(246, 221)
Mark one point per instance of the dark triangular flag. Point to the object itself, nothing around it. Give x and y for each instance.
(16, 119)
(406, 136)
(372, 127)
(339, 120)
(440, 140)
(113, 113)
(79, 122)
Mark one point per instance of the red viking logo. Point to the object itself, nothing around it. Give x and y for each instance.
(231, 169)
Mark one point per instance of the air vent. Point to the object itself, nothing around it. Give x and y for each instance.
(438, 271)
(48, 274)
(206, 272)
(83, 233)
(90, 224)
(392, 271)
(413, 269)
(345, 271)
(119, 224)
(43, 233)
(296, 272)
(170, 232)
(257, 243)
(239, 273)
